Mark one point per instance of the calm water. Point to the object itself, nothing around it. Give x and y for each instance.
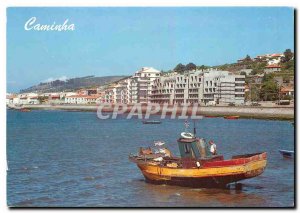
(74, 159)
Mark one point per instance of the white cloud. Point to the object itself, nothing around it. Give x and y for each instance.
(62, 78)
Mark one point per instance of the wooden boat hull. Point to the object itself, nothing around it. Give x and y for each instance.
(213, 174)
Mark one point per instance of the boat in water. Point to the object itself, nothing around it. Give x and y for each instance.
(286, 153)
(151, 122)
(196, 167)
(210, 116)
(232, 117)
(24, 110)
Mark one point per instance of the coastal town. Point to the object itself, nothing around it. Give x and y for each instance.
(190, 84)
(150, 107)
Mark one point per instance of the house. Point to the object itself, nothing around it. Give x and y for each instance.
(275, 58)
(75, 99)
(91, 91)
(247, 71)
(240, 61)
(54, 98)
(26, 98)
(33, 100)
(287, 91)
(272, 68)
(92, 99)
(257, 79)
(10, 99)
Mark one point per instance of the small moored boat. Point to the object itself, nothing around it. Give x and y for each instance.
(210, 116)
(286, 153)
(232, 117)
(152, 122)
(24, 110)
(196, 166)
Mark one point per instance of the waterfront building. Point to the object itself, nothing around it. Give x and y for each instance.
(82, 99)
(141, 84)
(26, 98)
(10, 98)
(135, 89)
(109, 96)
(199, 87)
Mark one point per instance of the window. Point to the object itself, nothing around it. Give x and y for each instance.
(186, 148)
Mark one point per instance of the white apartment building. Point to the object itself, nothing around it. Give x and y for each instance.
(135, 89)
(82, 99)
(141, 83)
(199, 87)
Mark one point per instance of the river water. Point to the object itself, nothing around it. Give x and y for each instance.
(74, 159)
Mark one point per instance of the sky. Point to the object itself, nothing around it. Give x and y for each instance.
(119, 41)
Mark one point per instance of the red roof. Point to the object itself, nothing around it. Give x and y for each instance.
(84, 96)
(273, 66)
(276, 55)
(77, 96)
(287, 89)
(93, 97)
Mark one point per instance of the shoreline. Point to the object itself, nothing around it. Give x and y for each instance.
(274, 113)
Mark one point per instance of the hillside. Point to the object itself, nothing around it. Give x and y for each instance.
(72, 84)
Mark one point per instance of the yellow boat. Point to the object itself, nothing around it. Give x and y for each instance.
(196, 167)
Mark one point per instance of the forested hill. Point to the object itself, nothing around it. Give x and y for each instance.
(72, 84)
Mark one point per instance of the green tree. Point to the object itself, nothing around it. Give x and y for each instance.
(269, 91)
(254, 92)
(179, 68)
(202, 67)
(190, 66)
(243, 73)
(288, 66)
(248, 58)
(253, 72)
(288, 55)
(267, 77)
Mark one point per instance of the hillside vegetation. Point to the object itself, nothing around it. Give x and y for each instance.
(72, 84)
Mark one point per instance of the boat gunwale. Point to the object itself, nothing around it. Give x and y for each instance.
(246, 161)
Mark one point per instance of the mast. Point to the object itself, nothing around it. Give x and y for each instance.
(194, 128)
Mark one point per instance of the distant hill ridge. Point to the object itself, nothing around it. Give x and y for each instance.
(72, 84)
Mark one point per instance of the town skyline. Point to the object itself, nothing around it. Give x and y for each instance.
(48, 55)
